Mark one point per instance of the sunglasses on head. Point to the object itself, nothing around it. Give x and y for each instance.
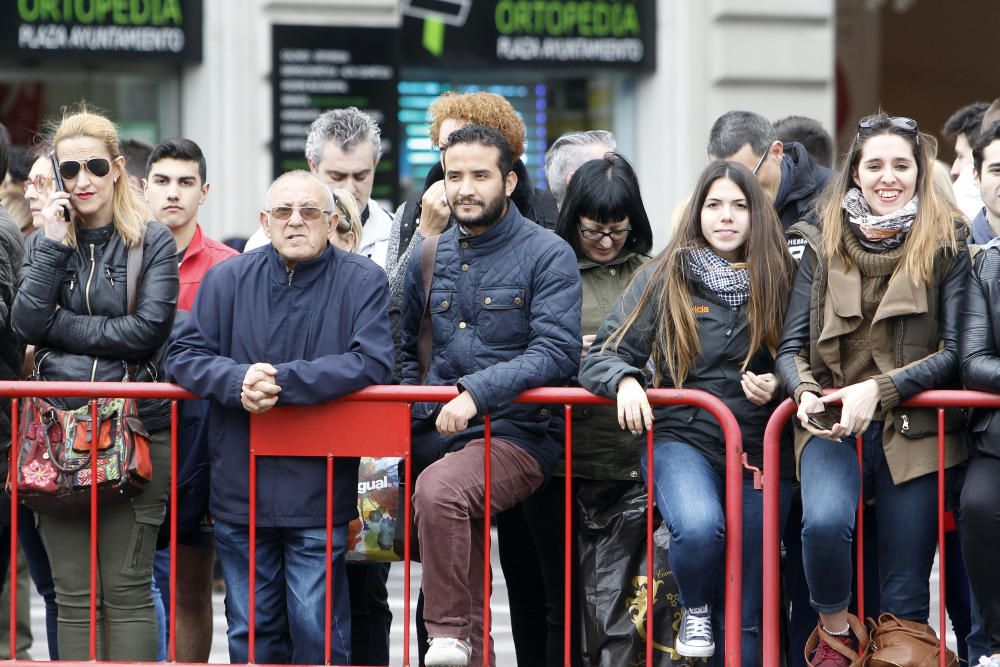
(907, 125)
(97, 166)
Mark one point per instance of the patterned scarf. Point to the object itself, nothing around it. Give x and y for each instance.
(718, 275)
(878, 233)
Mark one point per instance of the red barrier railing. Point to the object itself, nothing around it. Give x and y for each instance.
(939, 399)
(269, 437)
(92, 391)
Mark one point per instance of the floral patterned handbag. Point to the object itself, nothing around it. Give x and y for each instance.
(54, 471)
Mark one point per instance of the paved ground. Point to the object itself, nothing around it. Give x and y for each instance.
(501, 618)
(220, 653)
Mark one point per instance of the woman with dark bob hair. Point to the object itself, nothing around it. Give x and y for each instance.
(874, 314)
(707, 314)
(604, 220)
(72, 306)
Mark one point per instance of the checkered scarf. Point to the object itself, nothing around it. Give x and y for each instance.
(718, 275)
(879, 233)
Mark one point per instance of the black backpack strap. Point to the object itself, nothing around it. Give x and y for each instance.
(425, 336)
(545, 209)
(407, 224)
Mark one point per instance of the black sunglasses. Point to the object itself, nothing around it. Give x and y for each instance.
(97, 166)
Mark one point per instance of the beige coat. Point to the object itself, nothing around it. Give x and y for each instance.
(905, 340)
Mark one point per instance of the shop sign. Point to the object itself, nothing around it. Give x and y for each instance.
(317, 68)
(141, 30)
(511, 33)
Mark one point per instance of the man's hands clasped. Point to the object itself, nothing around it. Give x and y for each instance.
(260, 388)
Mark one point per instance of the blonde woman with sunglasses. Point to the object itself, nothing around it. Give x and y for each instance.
(72, 307)
(346, 229)
(874, 314)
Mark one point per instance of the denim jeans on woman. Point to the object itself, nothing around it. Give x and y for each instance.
(906, 515)
(690, 497)
(290, 591)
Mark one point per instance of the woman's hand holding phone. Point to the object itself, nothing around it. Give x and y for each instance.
(858, 403)
(811, 415)
(56, 216)
(822, 417)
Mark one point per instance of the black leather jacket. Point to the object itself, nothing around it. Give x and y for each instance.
(725, 340)
(979, 345)
(72, 306)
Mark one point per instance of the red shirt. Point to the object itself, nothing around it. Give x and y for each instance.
(202, 254)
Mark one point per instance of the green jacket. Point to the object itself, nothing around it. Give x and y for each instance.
(601, 449)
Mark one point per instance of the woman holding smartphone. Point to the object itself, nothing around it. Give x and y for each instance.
(707, 312)
(72, 307)
(874, 312)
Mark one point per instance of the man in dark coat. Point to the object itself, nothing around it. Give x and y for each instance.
(786, 172)
(504, 311)
(295, 322)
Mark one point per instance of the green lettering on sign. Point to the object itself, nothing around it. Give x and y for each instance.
(27, 10)
(558, 18)
(116, 12)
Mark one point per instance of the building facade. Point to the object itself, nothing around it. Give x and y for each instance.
(659, 88)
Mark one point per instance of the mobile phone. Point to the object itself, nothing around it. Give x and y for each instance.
(825, 420)
(58, 181)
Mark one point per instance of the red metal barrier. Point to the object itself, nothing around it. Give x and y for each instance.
(939, 399)
(391, 437)
(92, 391)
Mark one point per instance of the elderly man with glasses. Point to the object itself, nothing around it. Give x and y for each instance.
(295, 322)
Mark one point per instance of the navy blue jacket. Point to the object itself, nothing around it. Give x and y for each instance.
(505, 312)
(802, 183)
(982, 233)
(324, 327)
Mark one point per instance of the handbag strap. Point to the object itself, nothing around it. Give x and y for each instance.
(425, 338)
(132, 267)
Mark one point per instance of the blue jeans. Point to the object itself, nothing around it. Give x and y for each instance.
(161, 622)
(291, 594)
(41, 574)
(906, 514)
(690, 497)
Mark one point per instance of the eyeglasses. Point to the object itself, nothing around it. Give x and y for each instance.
(40, 182)
(307, 213)
(97, 166)
(760, 162)
(907, 125)
(598, 235)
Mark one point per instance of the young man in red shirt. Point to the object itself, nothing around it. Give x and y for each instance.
(176, 187)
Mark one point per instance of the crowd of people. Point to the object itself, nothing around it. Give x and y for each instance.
(849, 290)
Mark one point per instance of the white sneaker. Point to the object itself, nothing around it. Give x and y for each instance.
(694, 638)
(987, 661)
(447, 652)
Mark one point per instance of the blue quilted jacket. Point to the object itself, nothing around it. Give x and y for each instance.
(505, 312)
